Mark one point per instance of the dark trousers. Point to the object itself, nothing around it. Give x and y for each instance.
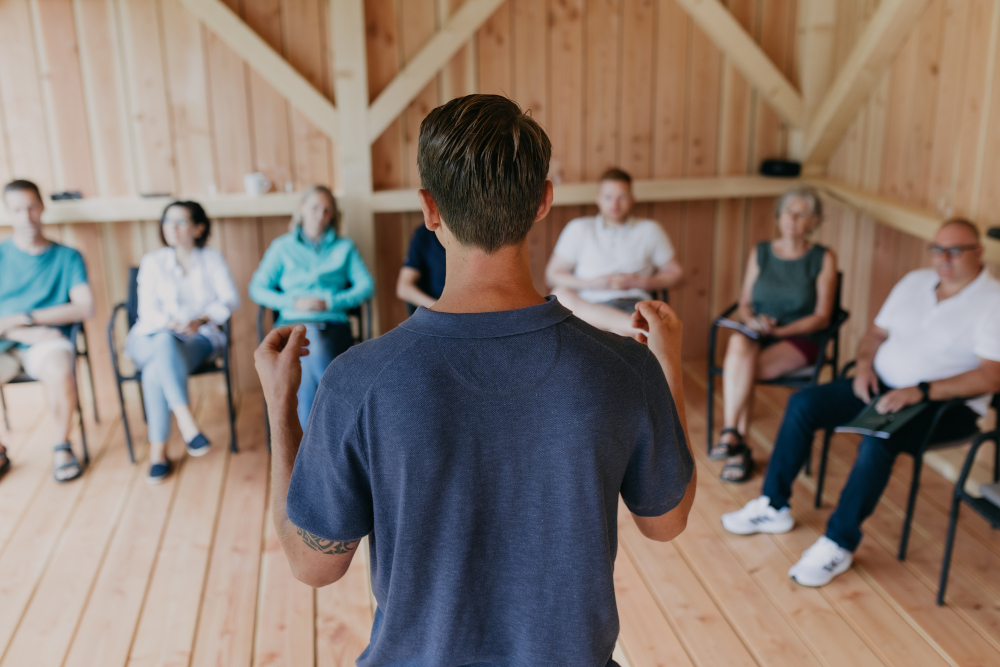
(834, 404)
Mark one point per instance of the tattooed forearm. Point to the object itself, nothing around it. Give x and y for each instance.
(325, 546)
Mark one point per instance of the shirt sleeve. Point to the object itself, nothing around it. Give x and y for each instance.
(887, 313)
(986, 341)
(661, 466)
(330, 492)
(415, 256)
(227, 297)
(570, 241)
(265, 279)
(77, 269)
(361, 289)
(150, 309)
(662, 250)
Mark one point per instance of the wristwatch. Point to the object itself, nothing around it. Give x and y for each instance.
(925, 390)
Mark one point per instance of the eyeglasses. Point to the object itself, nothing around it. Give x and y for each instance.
(953, 251)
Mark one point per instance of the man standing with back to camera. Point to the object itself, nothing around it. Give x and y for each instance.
(482, 445)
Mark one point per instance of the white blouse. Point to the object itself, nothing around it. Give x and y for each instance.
(167, 293)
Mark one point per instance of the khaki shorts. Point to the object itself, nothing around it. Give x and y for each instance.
(30, 359)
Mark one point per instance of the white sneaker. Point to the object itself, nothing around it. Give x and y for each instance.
(757, 516)
(820, 563)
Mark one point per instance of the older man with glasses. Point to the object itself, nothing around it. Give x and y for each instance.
(937, 337)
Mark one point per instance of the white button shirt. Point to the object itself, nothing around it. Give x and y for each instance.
(167, 293)
(933, 340)
(598, 248)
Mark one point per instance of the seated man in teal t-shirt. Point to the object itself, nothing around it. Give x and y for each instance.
(43, 291)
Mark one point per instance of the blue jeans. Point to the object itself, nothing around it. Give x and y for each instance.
(327, 340)
(165, 361)
(834, 404)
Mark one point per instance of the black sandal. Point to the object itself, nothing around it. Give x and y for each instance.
(73, 463)
(744, 466)
(722, 450)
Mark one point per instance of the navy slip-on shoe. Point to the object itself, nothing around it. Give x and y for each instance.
(159, 472)
(198, 446)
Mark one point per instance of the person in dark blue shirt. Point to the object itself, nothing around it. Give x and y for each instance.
(43, 291)
(421, 280)
(482, 445)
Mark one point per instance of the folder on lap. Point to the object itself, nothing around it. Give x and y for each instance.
(870, 422)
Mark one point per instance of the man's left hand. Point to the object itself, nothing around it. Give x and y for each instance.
(278, 365)
(897, 399)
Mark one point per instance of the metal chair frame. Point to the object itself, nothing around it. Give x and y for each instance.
(796, 379)
(220, 364)
(927, 444)
(362, 314)
(75, 333)
(982, 506)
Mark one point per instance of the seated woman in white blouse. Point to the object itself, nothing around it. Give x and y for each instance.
(186, 294)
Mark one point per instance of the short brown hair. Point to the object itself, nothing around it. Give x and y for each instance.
(616, 174)
(964, 222)
(485, 163)
(198, 217)
(22, 185)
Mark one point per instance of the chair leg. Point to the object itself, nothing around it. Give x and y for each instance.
(710, 411)
(821, 477)
(93, 392)
(3, 402)
(232, 413)
(128, 432)
(918, 462)
(809, 462)
(948, 544)
(83, 431)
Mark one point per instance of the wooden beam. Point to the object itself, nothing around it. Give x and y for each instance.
(119, 209)
(425, 65)
(909, 219)
(350, 78)
(747, 56)
(875, 50)
(267, 62)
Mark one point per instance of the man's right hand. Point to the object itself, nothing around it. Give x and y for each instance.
(865, 383)
(663, 328)
(309, 304)
(279, 368)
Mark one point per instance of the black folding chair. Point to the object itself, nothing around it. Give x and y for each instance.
(76, 335)
(216, 365)
(929, 443)
(983, 507)
(807, 376)
(361, 330)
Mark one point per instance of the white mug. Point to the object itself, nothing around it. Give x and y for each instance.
(256, 183)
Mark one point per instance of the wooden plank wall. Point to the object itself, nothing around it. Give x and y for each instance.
(923, 138)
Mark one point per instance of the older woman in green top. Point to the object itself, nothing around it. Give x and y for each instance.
(787, 298)
(313, 276)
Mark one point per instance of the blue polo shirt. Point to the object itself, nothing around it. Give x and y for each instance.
(29, 282)
(427, 256)
(483, 454)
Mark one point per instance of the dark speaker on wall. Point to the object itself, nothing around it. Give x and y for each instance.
(780, 168)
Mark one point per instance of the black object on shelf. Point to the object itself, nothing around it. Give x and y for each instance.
(993, 233)
(72, 194)
(780, 168)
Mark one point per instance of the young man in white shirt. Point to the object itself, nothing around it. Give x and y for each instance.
(937, 337)
(603, 265)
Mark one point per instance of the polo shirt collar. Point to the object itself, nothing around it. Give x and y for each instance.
(974, 286)
(494, 324)
(604, 224)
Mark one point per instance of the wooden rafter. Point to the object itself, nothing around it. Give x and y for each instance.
(425, 65)
(747, 56)
(267, 62)
(875, 50)
(909, 219)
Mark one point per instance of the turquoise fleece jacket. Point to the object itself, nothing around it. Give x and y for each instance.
(294, 267)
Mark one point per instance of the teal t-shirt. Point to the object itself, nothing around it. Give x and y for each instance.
(29, 282)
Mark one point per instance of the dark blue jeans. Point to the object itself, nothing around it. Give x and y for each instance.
(833, 404)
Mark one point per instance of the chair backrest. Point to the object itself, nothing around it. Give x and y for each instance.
(132, 301)
(361, 314)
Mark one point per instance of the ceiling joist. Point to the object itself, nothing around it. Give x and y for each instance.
(267, 62)
(874, 52)
(747, 56)
(425, 65)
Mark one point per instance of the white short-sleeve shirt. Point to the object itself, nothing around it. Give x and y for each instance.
(599, 248)
(932, 340)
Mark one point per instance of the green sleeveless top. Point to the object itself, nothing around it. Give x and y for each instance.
(786, 288)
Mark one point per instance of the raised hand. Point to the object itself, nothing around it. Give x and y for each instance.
(278, 365)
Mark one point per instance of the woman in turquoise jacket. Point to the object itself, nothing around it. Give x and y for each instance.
(313, 276)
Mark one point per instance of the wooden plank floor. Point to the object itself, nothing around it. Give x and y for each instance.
(110, 571)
